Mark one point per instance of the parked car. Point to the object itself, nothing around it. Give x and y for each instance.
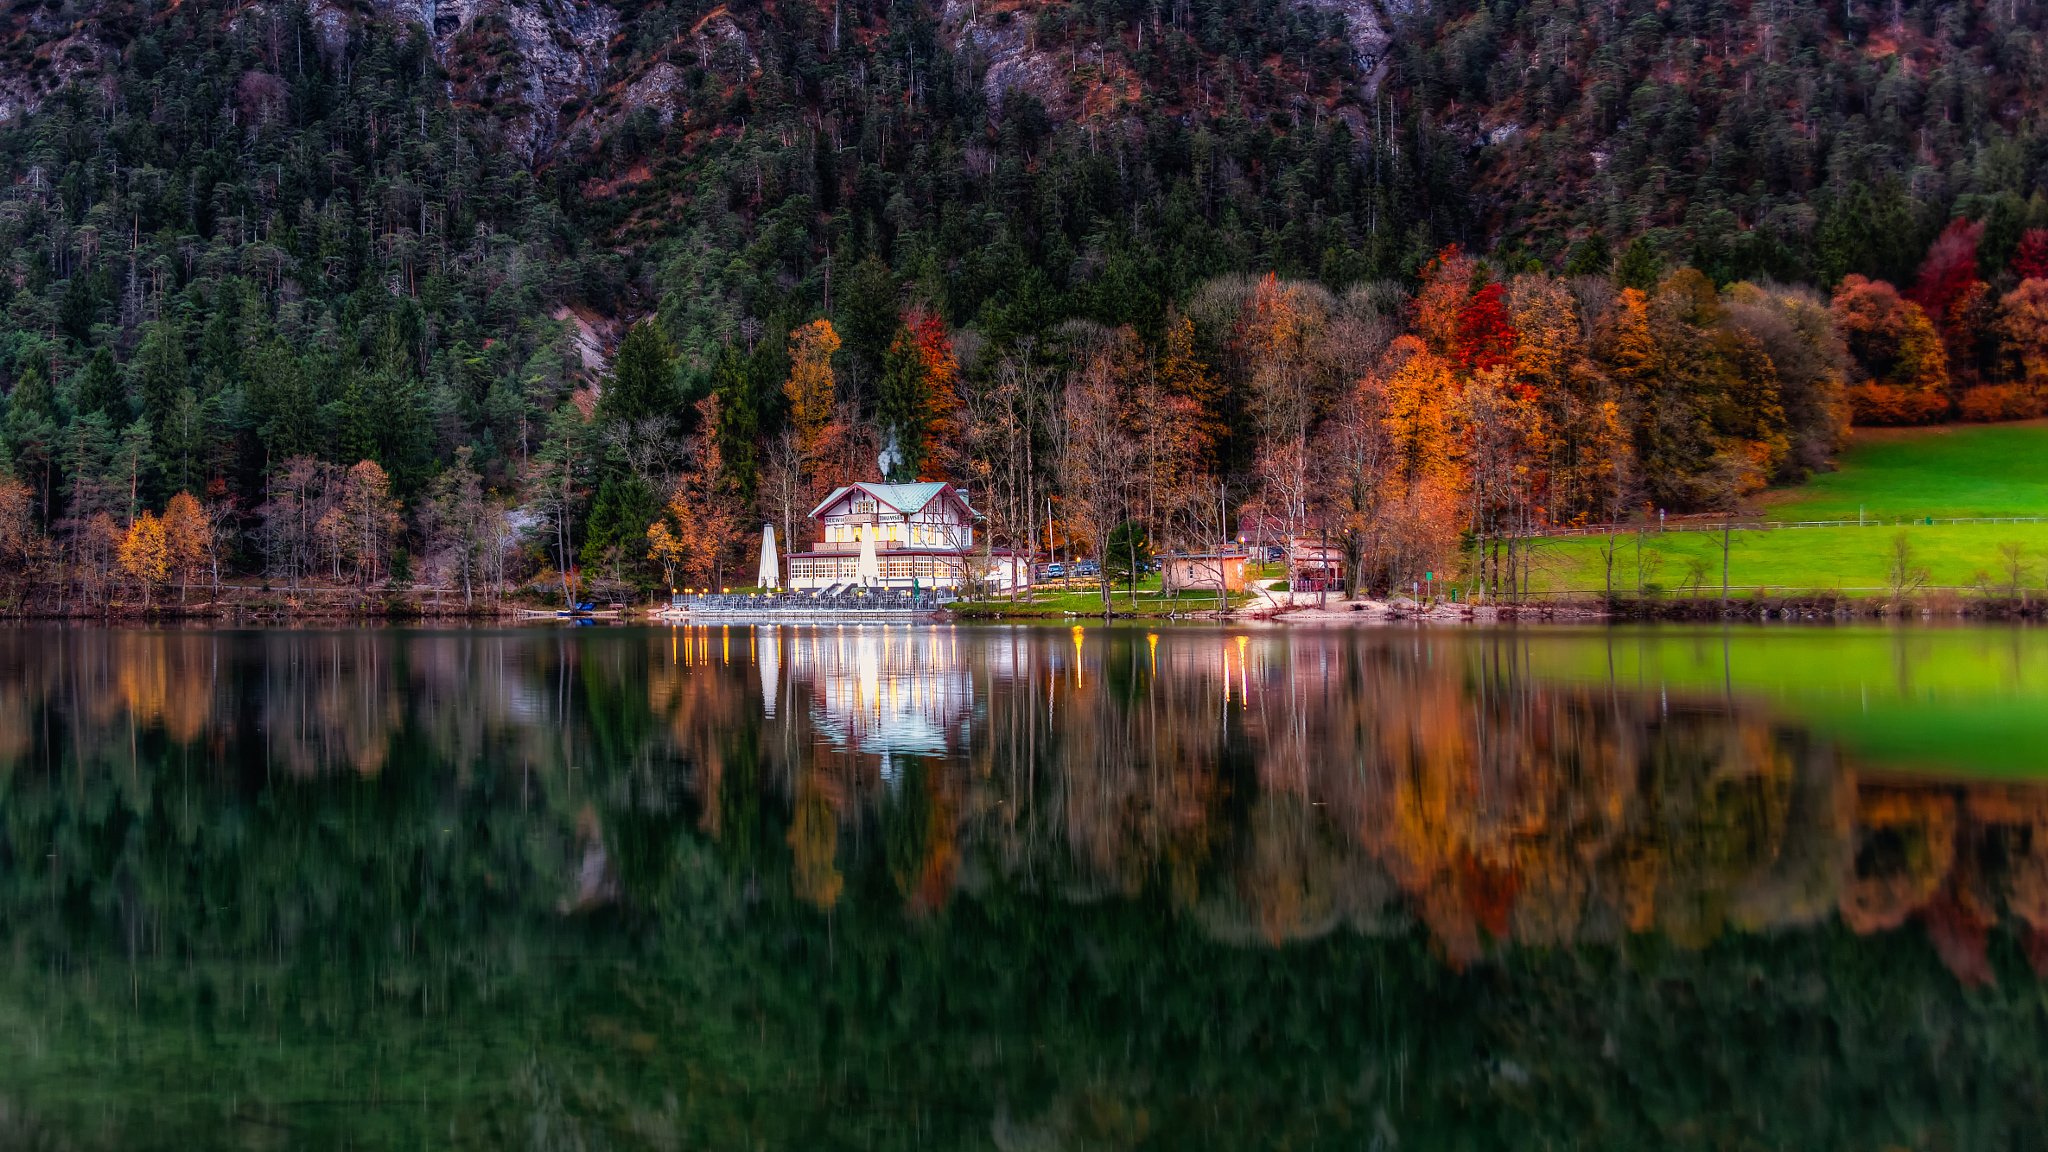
(1087, 568)
(1053, 572)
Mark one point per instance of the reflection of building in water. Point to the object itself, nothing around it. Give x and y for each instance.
(881, 690)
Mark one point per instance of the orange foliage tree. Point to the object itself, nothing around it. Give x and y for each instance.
(188, 534)
(1902, 369)
(1446, 286)
(2023, 331)
(701, 519)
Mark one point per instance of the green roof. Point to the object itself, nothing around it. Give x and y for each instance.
(904, 498)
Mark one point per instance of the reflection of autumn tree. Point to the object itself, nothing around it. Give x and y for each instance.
(814, 843)
(1905, 845)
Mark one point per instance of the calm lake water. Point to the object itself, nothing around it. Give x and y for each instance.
(1024, 888)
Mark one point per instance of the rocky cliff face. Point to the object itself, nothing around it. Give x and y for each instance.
(524, 59)
(46, 52)
(1092, 80)
(1365, 25)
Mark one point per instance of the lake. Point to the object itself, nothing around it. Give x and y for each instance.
(895, 887)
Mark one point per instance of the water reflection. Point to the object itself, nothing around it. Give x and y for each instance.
(416, 805)
(1274, 786)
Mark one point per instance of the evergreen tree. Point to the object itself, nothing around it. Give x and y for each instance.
(97, 388)
(904, 405)
(643, 379)
(159, 372)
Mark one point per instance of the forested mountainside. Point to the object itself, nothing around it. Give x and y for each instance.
(370, 265)
(1748, 137)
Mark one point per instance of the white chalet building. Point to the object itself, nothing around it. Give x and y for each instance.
(923, 537)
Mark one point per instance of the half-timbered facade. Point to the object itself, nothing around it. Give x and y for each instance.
(923, 537)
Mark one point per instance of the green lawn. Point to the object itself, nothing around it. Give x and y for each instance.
(1797, 559)
(1955, 470)
(1885, 475)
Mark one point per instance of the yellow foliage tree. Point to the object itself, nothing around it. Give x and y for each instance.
(145, 555)
(810, 388)
(188, 538)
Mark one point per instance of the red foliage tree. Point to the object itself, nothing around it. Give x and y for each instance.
(1949, 269)
(1486, 336)
(2030, 260)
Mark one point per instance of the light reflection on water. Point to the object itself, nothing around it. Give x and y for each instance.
(918, 882)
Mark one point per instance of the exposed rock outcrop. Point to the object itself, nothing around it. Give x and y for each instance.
(1001, 35)
(72, 52)
(523, 58)
(1093, 80)
(1365, 27)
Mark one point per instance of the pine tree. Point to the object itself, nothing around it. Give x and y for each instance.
(904, 405)
(97, 388)
(29, 434)
(159, 372)
(643, 379)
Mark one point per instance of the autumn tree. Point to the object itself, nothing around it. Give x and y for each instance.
(362, 524)
(1485, 335)
(21, 544)
(1098, 455)
(1423, 468)
(292, 505)
(1584, 460)
(1446, 287)
(2030, 258)
(1358, 447)
(1183, 375)
(2023, 331)
(1900, 370)
(701, 518)
(1279, 339)
(1709, 425)
(188, 539)
(1793, 329)
(1947, 283)
(811, 392)
(145, 555)
(1501, 435)
(96, 556)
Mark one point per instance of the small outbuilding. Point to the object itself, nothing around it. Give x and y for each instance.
(1202, 571)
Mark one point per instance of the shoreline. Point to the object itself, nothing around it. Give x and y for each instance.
(272, 610)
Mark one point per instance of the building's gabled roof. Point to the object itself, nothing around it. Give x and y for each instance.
(909, 499)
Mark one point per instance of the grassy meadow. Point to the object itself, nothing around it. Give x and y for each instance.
(1887, 476)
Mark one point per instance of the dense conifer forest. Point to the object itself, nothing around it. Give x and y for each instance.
(347, 297)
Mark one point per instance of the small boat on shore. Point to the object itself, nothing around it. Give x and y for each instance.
(579, 612)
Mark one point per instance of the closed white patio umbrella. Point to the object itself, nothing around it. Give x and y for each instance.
(771, 565)
(870, 571)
